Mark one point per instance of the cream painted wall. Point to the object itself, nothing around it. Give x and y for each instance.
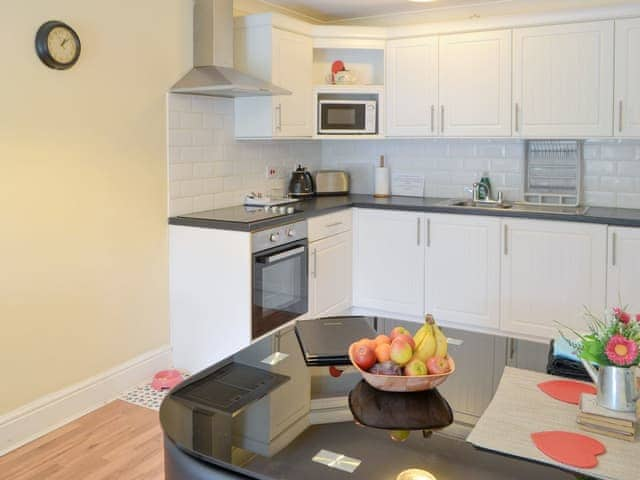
(83, 190)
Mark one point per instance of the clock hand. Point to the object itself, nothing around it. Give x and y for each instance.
(63, 42)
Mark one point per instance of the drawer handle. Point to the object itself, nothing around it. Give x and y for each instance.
(455, 341)
(337, 224)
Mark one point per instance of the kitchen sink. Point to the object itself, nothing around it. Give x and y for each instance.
(472, 204)
(516, 207)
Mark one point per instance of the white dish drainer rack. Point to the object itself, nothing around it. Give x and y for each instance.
(553, 172)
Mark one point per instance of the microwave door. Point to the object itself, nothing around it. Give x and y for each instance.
(345, 118)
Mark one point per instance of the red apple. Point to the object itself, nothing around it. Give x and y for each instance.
(401, 351)
(364, 357)
(398, 331)
(437, 365)
(408, 339)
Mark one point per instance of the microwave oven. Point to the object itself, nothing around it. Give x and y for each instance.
(347, 117)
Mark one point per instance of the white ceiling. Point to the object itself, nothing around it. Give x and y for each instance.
(394, 12)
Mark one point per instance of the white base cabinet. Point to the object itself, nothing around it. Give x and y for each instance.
(623, 285)
(463, 269)
(330, 275)
(388, 261)
(549, 271)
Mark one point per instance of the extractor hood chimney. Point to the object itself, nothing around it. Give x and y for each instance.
(213, 73)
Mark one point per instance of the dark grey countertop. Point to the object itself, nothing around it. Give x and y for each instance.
(236, 219)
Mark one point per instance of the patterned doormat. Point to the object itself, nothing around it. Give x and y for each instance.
(145, 396)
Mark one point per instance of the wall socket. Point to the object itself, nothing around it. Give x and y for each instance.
(272, 172)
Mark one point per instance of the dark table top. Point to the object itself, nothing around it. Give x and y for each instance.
(243, 219)
(369, 435)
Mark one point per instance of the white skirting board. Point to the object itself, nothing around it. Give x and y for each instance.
(59, 408)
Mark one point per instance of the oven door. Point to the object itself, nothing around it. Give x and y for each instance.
(342, 117)
(280, 286)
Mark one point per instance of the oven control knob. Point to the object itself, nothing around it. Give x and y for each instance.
(274, 237)
(291, 233)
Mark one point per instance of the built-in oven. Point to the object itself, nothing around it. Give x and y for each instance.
(280, 280)
(347, 116)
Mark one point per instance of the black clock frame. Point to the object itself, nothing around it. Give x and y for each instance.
(42, 45)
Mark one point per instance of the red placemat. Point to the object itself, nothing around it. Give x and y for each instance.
(568, 448)
(566, 390)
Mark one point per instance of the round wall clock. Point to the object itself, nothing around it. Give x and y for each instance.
(57, 45)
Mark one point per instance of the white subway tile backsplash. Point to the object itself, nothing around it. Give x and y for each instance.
(209, 169)
(180, 138)
(190, 120)
(629, 168)
(203, 170)
(181, 171)
(628, 200)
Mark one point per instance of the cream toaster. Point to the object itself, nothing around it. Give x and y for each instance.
(332, 182)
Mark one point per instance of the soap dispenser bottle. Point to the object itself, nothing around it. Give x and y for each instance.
(484, 190)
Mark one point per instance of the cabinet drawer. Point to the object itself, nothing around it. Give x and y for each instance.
(328, 225)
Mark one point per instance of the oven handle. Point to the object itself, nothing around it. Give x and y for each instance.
(282, 256)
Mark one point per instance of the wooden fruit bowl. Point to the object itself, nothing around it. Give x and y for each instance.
(394, 383)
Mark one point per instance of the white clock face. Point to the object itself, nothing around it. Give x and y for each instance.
(62, 45)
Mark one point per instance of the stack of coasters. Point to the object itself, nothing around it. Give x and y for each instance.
(594, 418)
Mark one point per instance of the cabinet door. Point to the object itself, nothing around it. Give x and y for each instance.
(623, 287)
(291, 400)
(412, 87)
(550, 270)
(475, 84)
(463, 269)
(627, 78)
(292, 69)
(563, 80)
(389, 261)
(330, 275)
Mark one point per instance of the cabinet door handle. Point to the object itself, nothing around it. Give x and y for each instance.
(442, 119)
(337, 224)
(433, 118)
(314, 273)
(505, 240)
(428, 232)
(418, 230)
(613, 249)
(279, 116)
(621, 107)
(517, 119)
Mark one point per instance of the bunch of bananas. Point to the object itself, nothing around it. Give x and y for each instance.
(429, 340)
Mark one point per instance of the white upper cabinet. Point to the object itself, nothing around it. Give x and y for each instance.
(563, 80)
(475, 84)
(285, 59)
(623, 268)
(412, 87)
(388, 265)
(463, 269)
(292, 69)
(627, 89)
(550, 269)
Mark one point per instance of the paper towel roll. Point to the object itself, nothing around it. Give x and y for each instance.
(383, 185)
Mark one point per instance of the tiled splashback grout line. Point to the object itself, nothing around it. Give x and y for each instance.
(209, 169)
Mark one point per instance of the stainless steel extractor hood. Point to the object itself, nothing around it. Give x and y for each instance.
(213, 73)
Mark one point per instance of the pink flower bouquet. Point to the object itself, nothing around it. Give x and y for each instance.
(613, 340)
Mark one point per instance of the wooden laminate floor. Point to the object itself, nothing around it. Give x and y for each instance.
(118, 441)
